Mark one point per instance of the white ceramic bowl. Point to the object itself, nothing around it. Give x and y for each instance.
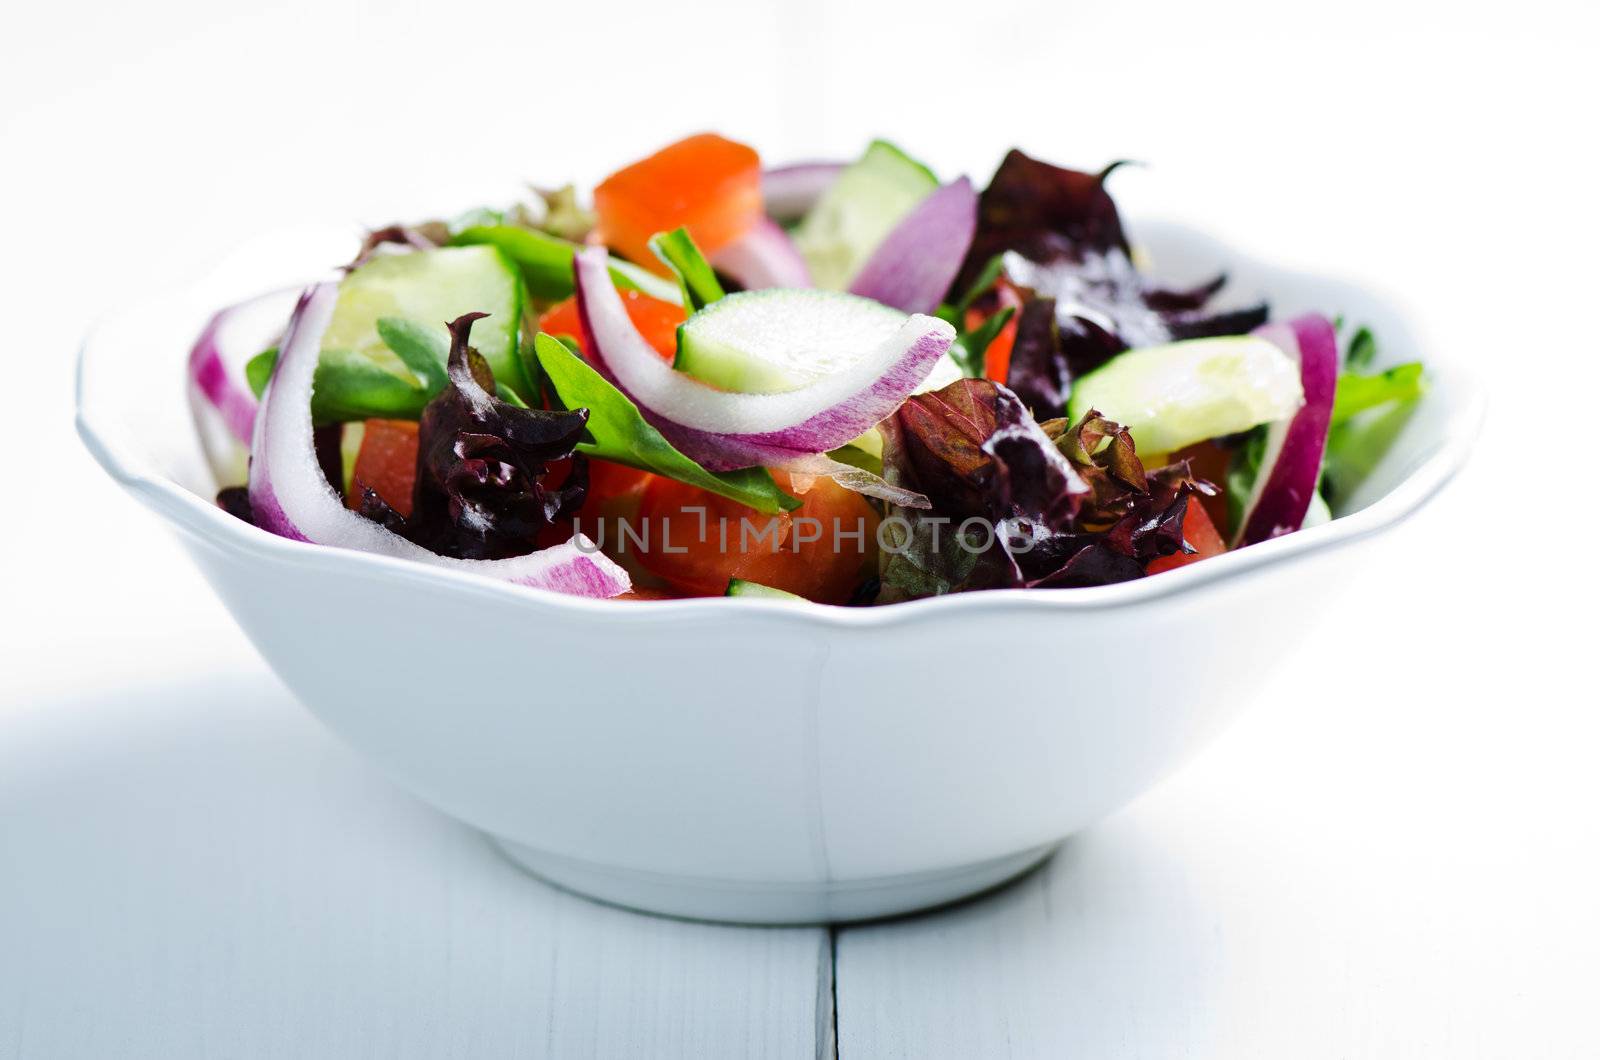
(750, 760)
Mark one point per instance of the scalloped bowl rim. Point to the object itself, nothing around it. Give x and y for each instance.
(212, 525)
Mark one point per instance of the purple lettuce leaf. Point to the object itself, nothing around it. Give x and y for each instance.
(1069, 504)
(1064, 242)
(1042, 212)
(481, 489)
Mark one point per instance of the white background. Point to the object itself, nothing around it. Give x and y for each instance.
(1393, 855)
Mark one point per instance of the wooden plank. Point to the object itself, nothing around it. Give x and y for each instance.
(200, 871)
(1400, 866)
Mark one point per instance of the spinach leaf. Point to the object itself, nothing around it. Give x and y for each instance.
(353, 386)
(546, 262)
(419, 348)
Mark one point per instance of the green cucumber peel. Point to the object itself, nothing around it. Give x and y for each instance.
(740, 587)
(618, 432)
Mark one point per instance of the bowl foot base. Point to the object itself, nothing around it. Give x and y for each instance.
(752, 902)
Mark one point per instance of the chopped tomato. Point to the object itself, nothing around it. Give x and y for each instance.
(656, 320)
(386, 463)
(608, 480)
(644, 592)
(821, 551)
(612, 494)
(997, 358)
(1201, 534)
(707, 183)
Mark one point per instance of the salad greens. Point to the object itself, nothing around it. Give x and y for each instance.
(972, 344)
(353, 386)
(696, 279)
(546, 262)
(1073, 500)
(914, 388)
(481, 489)
(1369, 411)
(1060, 236)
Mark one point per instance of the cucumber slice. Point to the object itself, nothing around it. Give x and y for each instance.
(351, 436)
(1185, 392)
(739, 587)
(858, 210)
(432, 287)
(767, 342)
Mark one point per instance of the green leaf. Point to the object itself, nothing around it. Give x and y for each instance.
(1369, 412)
(347, 386)
(531, 371)
(740, 587)
(351, 386)
(980, 286)
(618, 432)
(1362, 351)
(695, 276)
(258, 370)
(1358, 445)
(421, 349)
(970, 347)
(545, 262)
(1356, 393)
(1242, 471)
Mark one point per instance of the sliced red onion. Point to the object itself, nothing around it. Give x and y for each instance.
(790, 191)
(290, 496)
(216, 363)
(916, 263)
(764, 257)
(1292, 460)
(725, 430)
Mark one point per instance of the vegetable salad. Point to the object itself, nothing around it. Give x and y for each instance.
(853, 383)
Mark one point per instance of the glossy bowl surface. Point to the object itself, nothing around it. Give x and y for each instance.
(752, 760)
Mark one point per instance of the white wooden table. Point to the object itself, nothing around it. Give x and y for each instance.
(1393, 855)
